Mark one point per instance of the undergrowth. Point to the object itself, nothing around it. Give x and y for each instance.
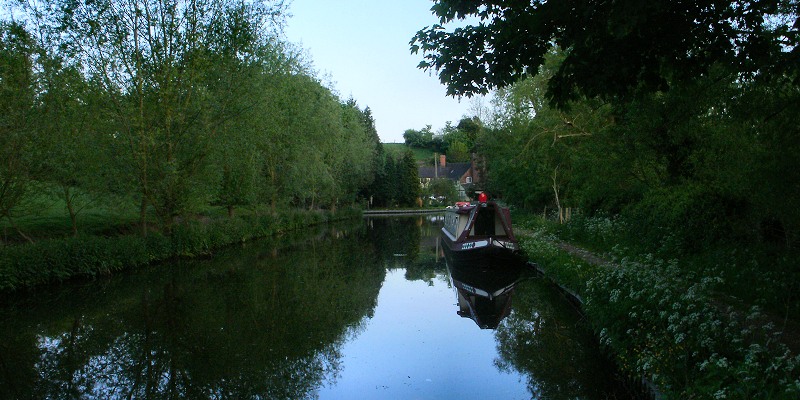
(672, 320)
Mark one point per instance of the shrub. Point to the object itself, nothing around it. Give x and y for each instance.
(685, 219)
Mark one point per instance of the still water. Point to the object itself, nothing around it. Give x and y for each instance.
(369, 309)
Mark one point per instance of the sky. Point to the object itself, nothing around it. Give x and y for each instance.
(362, 47)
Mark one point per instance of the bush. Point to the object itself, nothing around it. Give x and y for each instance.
(685, 219)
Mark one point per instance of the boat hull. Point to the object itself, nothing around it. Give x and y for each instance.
(478, 248)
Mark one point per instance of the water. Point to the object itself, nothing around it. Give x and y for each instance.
(367, 310)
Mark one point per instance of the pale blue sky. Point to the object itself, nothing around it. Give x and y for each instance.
(362, 46)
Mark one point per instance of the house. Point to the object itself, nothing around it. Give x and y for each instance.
(463, 175)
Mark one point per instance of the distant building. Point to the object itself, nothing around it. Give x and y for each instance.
(464, 175)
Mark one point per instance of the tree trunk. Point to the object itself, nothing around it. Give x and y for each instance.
(143, 215)
(19, 231)
(230, 211)
(558, 202)
(273, 197)
(73, 218)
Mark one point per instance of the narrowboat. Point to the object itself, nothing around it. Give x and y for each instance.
(478, 230)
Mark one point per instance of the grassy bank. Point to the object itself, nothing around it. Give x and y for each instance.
(58, 259)
(679, 322)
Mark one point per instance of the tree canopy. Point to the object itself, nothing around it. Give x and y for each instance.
(173, 106)
(613, 48)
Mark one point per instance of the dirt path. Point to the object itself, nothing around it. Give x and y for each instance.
(576, 251)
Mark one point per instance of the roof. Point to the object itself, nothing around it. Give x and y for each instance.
(457, 170)
(453, 171)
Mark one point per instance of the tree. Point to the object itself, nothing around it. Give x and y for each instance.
(535, 152)
(418, 138)
(357, 154)
(614, 48)
(153, 60)
(390, 186)
(471, 128)
(407, 179)
(74, 151)
(372, 193)
(442, 187)
(17, 94)
(458, 152)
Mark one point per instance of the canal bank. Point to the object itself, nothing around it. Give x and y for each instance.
(51, 261)
(666, 327)
(402, 212)
(639, 384)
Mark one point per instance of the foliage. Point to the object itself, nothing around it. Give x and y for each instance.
(440, 192)
(397, 181)
(17, 94)
(684, 324)
(408, 188)
(680, 147)
(691, 163)
(567, 271)
(661, 324)
(539, 156)
(173, 107)
(615, 48)
(458, 152)
(463, 136)
(418, 138)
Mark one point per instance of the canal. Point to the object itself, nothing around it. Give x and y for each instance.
(366, 309)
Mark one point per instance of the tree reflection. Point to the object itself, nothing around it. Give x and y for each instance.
(544, 339)
(265, 321)
(397, 239)
(409, 243)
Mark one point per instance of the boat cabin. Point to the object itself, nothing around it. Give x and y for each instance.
(486, 225)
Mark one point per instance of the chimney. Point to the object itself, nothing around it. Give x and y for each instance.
(443, 160)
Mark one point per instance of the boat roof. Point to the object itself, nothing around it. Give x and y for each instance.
(465, 207)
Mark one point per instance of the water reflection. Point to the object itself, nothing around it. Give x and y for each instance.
(263, 321)
(484, 289)
(409, 243)
(545, 340)
(364, 310)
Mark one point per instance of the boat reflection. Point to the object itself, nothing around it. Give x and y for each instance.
(484, 288)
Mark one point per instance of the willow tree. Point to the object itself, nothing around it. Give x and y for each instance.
(17, 95)
(152, 58)
(75, 153)
(356, 161)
